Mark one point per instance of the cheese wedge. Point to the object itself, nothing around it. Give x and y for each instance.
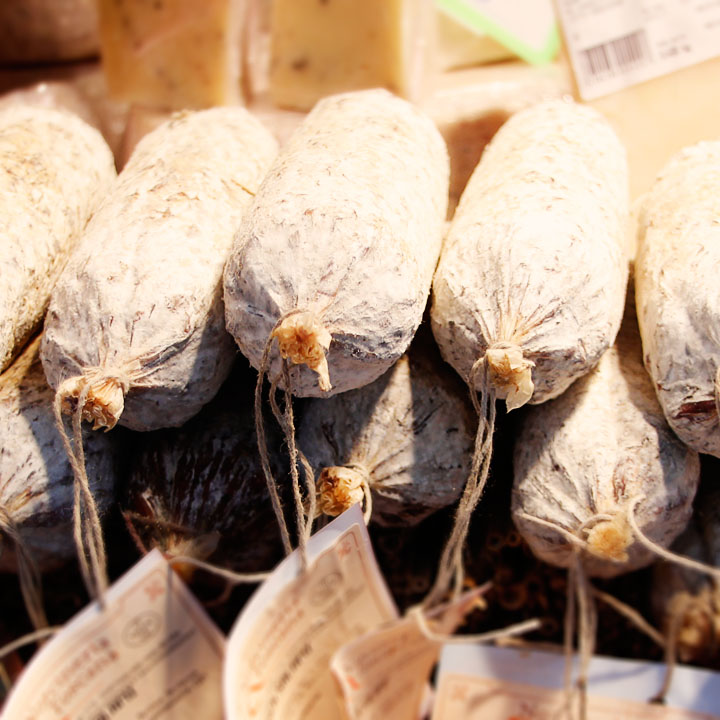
(172, 54)
(322, 47)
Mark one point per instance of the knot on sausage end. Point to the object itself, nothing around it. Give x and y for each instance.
(104, 400)
(610, 539)
(302, 339)
(339, 488)
(510, 373)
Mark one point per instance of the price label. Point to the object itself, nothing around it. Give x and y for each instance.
(385, 673)
(614, 44)
(279, 650)
(151, 653)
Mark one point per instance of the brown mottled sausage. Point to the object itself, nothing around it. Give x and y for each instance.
(533, 271)
(199, 489)
(345, 232)
(409, 435)
(36, 480)
(137, 316)
(677, 297)
(54, 171)
(601, 445)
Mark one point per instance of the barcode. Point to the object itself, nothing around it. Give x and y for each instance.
(616, 55)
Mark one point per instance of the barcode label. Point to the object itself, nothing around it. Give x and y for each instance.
(618, 55)
(651, 38)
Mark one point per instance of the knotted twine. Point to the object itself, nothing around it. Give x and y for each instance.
(86, 520)
(112, 384)
(451, 562)
(303, 518)
(87, 529)
(341, 487)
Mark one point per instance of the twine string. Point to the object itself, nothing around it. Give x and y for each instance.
(234, 578)
(32, 637)
(662, 552)
(687, 604)
(587, 632)
(367, 511)
(262, 444)
(451, 562)
(630, 614)
(285, 419)
(569, 622)
(87, 529)
(418, 612)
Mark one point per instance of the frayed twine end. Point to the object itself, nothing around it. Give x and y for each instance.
(105, 397)
(510, 373)
(610, 539)
(338, 489)
(302, 339)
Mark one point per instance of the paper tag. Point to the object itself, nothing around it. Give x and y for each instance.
(617, 43)
(489, 683)
(152, 653)
(385, 673)
(279, 650)
(528, 29)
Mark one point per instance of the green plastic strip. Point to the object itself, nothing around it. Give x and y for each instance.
(476, 21)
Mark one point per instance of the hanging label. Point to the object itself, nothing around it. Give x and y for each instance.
(617, 43)
(385, 673)
(152, 653)
(279, 650)
(489, 683)
(527, 28)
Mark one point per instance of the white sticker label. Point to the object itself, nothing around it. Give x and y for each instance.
(617, 43)
(488, 683)
(151, 654)
(462, 697)
(279, 650)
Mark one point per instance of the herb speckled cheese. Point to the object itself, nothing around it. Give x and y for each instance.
(174, 54)
(533, 273)
(138, 312)
(332, 46)
(678, 296)
(54, 171)
(345, 230)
